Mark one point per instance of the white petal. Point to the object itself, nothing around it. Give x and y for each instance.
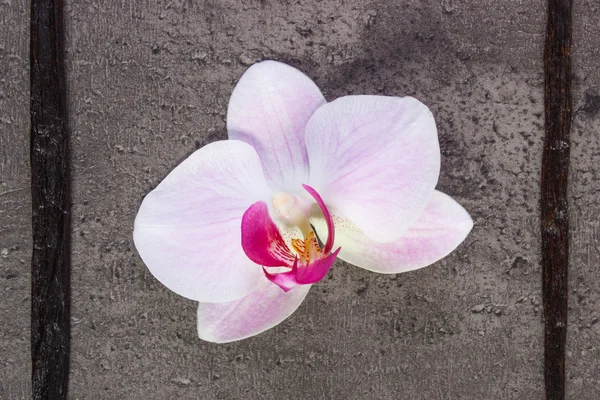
(188, 229)
(375, 160)
(439, 230)
(269, 109)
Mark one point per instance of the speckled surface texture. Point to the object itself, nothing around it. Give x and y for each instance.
(149, 83)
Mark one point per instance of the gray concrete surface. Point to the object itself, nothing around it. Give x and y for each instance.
(149, 83)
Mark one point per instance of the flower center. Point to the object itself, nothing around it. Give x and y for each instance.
(292, 210)
(262, 241)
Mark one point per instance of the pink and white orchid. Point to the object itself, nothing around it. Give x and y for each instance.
(245, 226)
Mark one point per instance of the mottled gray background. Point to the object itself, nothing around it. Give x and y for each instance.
(149, 83)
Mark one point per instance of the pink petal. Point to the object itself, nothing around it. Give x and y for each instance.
(326, 215)
(261, 239)
(375, 160)
(439, 230)
(187, 230)
(285, 280)
(269, 109)
(303, 275)
(316, 270)
(264, 308)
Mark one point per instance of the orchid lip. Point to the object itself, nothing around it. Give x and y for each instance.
(262, 242)
(326, 214)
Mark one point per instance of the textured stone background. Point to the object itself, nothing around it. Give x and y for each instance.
(149, 83)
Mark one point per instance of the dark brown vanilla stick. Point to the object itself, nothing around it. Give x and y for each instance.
(50, 265)
(555, 168)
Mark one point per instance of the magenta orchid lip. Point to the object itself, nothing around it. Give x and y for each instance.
(263, 244)
(246, 226)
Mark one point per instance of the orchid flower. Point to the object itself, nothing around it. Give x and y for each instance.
(245, 226)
